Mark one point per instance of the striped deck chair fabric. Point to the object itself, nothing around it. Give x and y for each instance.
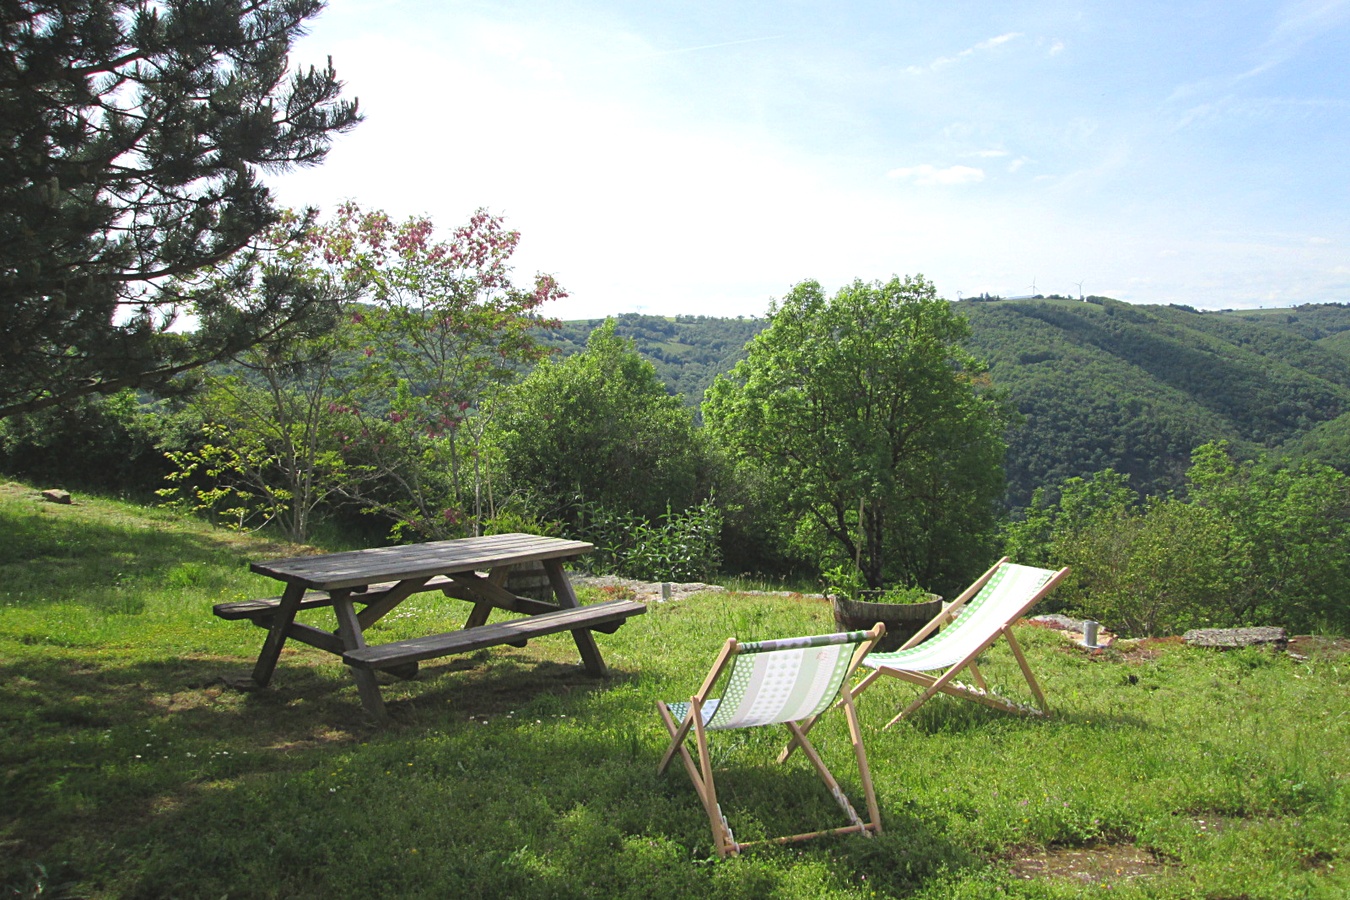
(774, 682)
(975, 620)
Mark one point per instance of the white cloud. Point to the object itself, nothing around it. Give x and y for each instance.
(987, 154)
(1017, 164)
(1056, 48)
(943, 62)
(927, 174)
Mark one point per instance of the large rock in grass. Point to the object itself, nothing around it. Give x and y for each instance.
(1228, 638)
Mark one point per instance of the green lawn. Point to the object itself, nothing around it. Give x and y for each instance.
(131, 767)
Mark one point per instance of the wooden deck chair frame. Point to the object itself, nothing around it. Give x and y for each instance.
(944, 683)
(701, 773)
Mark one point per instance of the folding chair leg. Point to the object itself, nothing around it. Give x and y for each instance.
(864, 771)
(807, 724)
(826, 776)
(677, 736)
(723, 842)
(933, 686)
(700, 774)
(975, 675)
(1026, 670)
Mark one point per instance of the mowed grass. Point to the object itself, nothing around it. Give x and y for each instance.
(132, 765)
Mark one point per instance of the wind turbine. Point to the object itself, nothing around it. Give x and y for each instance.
(1080, 289)
(1033, 285)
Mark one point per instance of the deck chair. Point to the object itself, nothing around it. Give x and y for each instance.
(975, 620)
(779, 681)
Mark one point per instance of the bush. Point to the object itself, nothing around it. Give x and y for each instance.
(1250, 544)
(107, 444)
(679, 546)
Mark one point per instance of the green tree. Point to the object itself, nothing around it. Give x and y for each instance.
(132, 134)
(877, 426)
(270, 449)
(444, 328)
(1251, 543)
(1288, 549)
(598, 428)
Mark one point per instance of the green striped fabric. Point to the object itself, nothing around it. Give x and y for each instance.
(1002, 599)
(779, 681)
(815, 640)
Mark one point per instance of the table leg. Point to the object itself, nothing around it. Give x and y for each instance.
(590, 653)
(276, 633)
(482, 610)
(349, 628)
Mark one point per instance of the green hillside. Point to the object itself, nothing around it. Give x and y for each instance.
(687, 351)
(1102, 383)
(1137, 387)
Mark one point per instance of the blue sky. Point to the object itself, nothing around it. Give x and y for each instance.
(702, 157)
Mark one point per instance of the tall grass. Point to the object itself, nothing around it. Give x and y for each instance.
(132, 766)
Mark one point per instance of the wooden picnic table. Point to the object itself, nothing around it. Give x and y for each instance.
(470, 569)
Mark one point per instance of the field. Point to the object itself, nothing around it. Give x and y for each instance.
(132, 764)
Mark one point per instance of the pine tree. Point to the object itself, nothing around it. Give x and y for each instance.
(132, 135)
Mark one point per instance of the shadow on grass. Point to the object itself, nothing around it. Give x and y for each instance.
(944, 714)
(501, 777)
(49, 556)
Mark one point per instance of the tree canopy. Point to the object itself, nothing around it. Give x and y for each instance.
(599, 428)
(874, 425)
(132, 137)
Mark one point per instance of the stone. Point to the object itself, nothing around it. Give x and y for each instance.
(1228, 638)
(56, 495)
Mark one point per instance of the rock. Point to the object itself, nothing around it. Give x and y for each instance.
(1228, 638)
(644, 591)
(56, 495)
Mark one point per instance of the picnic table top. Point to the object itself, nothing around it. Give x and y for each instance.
(357, 568)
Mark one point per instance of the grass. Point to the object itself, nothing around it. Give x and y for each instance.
(130, 766)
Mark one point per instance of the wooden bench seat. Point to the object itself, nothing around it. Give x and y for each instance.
(606, 617)
(264, 607)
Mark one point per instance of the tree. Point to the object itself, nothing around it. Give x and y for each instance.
(598, 428)
(1287, 558)
(132, 134)
(1251, 543)
(445, 329)
(1142, 567)
(880, 430)
(268, 449)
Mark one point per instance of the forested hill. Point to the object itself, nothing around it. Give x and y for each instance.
(687, 351)
(1103, 383)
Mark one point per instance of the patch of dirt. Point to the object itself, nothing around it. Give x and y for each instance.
(1307, 646)
(1103, 865)
(1146, 649)
(1072, 631)
(320, 737)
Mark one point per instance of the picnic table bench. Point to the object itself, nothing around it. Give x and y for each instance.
(380, 579)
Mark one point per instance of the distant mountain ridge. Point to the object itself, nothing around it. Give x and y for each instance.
(1101, 383)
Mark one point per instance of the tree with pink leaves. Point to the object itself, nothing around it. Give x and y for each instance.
(388, 409)
(444, 329)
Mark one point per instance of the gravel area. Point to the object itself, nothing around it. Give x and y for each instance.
(651, 592)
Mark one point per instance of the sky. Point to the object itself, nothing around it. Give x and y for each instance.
(701, 158)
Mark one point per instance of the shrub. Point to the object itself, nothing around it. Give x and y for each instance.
(678, 546)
